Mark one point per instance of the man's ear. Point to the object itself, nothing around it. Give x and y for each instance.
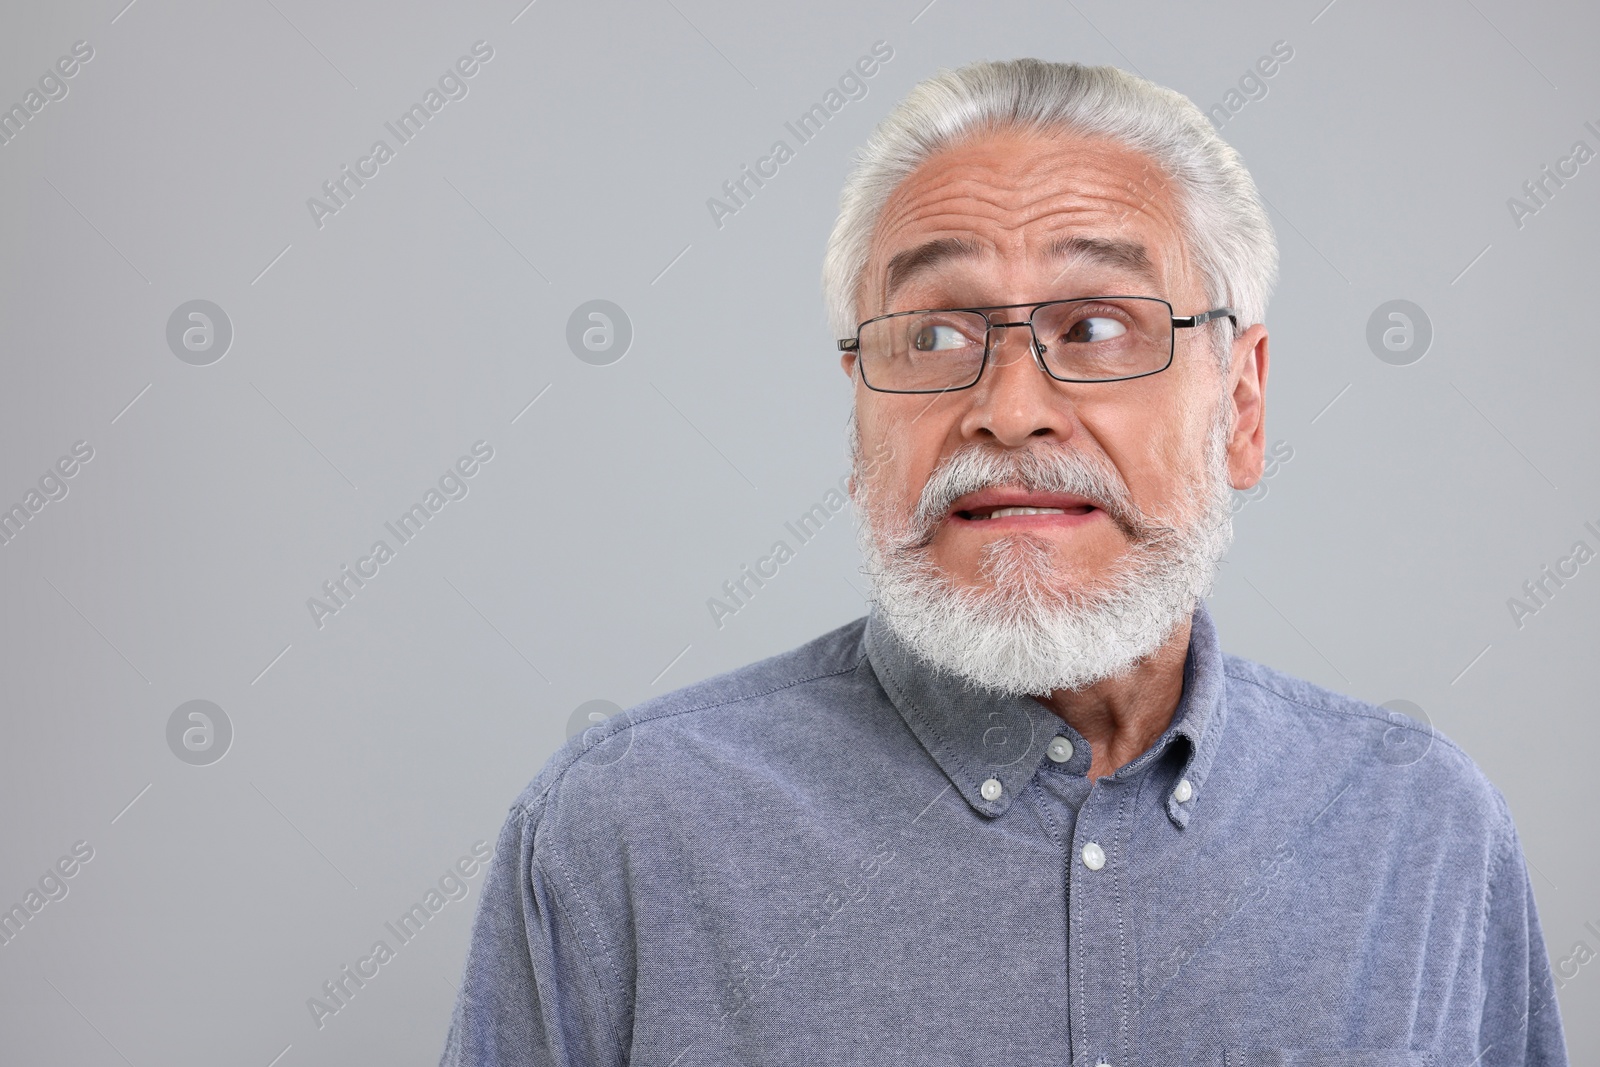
(847, 363)
(1247, 389)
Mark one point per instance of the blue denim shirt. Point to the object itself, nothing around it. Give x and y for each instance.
(841, 856)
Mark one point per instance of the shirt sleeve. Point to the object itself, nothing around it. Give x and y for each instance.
(1521, 1022)
(531, 994)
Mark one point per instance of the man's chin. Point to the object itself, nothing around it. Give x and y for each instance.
(1020, 563)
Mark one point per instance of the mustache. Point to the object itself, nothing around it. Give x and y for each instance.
(1040, 470)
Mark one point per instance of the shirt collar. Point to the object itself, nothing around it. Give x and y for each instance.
(980, 738)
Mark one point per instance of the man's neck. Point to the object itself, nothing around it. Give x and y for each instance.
(1122, 717)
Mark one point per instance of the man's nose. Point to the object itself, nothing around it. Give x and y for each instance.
(1016, 400)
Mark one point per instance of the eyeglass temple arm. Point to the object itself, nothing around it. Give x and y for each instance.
(849, 344)
(1201, 320)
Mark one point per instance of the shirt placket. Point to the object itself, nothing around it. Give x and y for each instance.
(1099, 941)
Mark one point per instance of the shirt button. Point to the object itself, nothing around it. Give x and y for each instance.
(1094, 857)
(990, 789)
(1059, 749)
(1184, 791)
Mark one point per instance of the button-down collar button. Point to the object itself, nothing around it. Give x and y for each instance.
(990, 789)
(1094, 857)
(1183, 792)
(1059, 749)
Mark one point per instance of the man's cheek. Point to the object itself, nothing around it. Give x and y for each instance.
(897, 490)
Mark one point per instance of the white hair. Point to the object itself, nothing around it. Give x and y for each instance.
(1224, 226)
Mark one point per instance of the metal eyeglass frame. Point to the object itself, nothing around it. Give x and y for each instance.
(853, 344)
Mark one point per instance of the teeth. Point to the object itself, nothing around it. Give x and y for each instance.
(1001, 513)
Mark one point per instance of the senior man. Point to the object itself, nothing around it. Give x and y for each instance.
(1026, 811)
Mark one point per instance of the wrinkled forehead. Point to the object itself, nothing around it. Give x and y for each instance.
(1049, 213)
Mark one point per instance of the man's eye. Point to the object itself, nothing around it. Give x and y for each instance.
(937, 338)
(1094, 328)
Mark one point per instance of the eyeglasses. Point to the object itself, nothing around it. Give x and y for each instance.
(1088, 339)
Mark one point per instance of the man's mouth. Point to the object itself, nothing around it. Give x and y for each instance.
(979, 515)
(995, 505)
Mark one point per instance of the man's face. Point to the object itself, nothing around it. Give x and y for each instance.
(1043, 218)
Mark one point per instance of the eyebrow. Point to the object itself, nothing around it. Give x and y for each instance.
(903, 266)
(1130, 256)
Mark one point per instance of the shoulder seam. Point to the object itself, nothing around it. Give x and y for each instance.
(1357, 713)
(600, 940)
(539, 800)
(1497, 861)
(534, 810)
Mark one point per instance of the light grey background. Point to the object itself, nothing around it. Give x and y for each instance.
(370, 353)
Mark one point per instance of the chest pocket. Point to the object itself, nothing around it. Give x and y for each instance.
(1310, 1057)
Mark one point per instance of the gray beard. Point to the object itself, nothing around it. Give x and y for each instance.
(1030, 634)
